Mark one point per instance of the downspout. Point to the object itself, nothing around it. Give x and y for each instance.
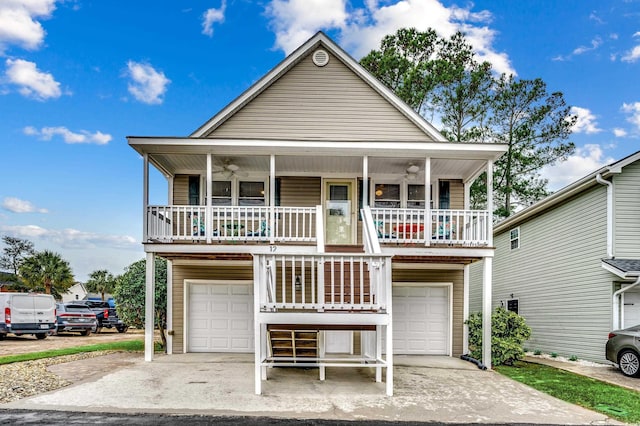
(616, 303)
(609, 185)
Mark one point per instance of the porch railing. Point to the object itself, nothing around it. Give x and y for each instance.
(231, 223)
(465, 227)
(323, 282)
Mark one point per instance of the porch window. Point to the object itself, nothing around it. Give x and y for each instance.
(387, 195)
(251, 194)
(221, 193)
(514, 237)
(415, 196)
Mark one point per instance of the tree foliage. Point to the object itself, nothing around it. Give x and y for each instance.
(16, 250)
(101, 281)
(509, 331)
(47, 271)
(129, 294)
(441, 79)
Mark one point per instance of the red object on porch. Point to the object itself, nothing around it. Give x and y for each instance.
(408, 228)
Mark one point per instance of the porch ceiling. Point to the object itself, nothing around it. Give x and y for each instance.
(187, 156)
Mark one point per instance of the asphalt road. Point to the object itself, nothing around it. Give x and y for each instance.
(20, 417)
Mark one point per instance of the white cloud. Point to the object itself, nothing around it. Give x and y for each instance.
(19, 22)
(84, 136)
(586, 159)
(586, 122)
(17, 205)
(632, 55)
(633, 110)
(361, 30)
(619, 133)
(33, 83)
(211, 16)
(72, 238)
(147, 85)
(294, 21)
(595, 43)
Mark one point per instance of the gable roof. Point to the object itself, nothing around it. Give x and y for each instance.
(565, 193)
(320, 39)
(624, 268)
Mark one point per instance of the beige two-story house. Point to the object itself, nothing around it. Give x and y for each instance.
(317, 221)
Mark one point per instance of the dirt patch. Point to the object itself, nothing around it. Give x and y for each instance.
(14, 345)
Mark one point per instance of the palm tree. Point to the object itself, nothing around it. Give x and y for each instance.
(101, 281)
(47, 270)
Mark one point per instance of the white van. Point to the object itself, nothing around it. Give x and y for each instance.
(27, 313)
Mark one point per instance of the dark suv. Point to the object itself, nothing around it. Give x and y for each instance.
(106, 315)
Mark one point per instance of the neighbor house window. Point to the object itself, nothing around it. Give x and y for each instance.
(251, 194)
(415, 196)
(387, 195)
(514, 237)
(221, 193)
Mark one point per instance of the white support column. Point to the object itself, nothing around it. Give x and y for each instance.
(169, 307)
(272, 198)
(149, 299)
(145, 196)
(209, 213)
(487, 271)
(427, 201)
(365, 181)
(465, 309)
(389, 342)
(490, 202)
(257, 326)
(322, 341)
(467, 195)
(378, 352)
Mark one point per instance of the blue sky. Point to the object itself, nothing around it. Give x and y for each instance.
(78, 76)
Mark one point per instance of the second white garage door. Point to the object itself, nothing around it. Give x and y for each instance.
(631, 308)
(220, 318)
(421, 320)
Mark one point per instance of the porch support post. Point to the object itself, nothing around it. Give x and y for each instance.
(389, 327)
(272, 198)
(145, 196)
(428, 226)
(486, 310)
(465, 309)
(209, 213)
(365, 181)
(169, 307)
(170, 189)
(257, 325)
(467, 195)
(149, 299)
(490, 202)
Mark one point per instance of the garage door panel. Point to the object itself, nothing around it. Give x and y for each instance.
(220, 318)
(631, 308)
(421, 320)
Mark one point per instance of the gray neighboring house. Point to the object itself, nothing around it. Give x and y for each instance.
(570, 264)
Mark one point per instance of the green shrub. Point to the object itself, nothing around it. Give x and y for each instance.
(573, 358)
(508, 332)
(554, 354)
(537, 352)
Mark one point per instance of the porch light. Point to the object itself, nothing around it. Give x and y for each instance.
(412, 169)
(298, 283)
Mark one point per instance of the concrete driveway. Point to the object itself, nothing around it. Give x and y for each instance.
(439, 389)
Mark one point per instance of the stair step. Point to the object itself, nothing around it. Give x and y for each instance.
(344, 248)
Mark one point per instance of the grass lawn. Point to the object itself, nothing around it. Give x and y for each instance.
(130, 345)
(616, 402)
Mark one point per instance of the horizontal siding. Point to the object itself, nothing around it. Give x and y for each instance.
(184, 272)
(300, 191)
(627, 212)
(456, 194)
(556, 274)
(181, 190)
(320, 103)
(440, 276)
(475, 286)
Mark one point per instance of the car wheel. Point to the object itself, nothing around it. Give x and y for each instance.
(122, 329)
(629, 363)
(86, 332)
(41, 336)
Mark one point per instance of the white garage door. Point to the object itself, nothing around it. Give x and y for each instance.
(220, 318)
(631, 308)
(421, 320)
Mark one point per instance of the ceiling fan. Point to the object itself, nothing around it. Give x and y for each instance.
(412, 172)
(228, 170)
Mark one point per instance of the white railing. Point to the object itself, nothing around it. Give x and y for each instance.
(323, 282)
(231, 223)
(463, 227)
(370, 239)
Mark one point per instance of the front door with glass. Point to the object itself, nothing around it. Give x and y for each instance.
(339, 212)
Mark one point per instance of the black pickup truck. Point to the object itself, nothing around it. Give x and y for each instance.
(106, 315)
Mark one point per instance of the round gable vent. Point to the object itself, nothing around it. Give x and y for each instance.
(320, 57)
